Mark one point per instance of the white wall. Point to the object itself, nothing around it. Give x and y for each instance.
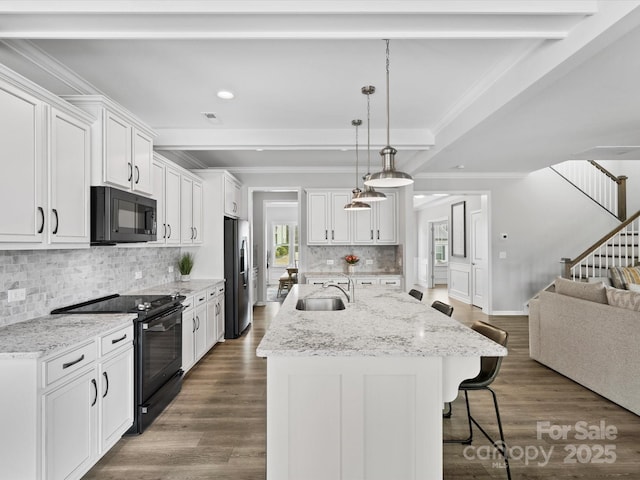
(630, 168)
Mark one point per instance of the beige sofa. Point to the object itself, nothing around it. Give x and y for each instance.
(594, 344)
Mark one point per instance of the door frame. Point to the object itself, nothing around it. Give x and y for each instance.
(432, 250)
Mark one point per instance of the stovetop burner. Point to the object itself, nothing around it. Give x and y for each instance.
(143, 305)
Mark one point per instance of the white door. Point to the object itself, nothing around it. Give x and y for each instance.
(196, 213)
(142, 161)
(172, 206)
(363, 226)
(159, 194)
(186, 211)
(117, 150)
(479, 263)
(69, 180)
(340, 219)
(387, 224)
(188, 338)
(116, 381)
(317, 219)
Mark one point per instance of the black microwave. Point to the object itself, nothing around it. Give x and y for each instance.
(121, 217)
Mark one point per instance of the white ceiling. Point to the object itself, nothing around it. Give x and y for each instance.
(496, 86)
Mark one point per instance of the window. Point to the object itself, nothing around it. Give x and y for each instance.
(285, 245)
(441, 242)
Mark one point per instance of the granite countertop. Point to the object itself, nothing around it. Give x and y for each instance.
(183, 288)
(43, 336)
(381, 322)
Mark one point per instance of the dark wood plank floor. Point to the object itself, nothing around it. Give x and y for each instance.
(215, 428)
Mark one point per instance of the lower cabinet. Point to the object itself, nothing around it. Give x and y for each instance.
(65, 412)
(390, 281)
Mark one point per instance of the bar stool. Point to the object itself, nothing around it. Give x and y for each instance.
(416, 293)
(489, 368)
(443, 307)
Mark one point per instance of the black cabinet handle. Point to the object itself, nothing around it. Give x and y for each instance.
(333, 234)
(326, 235)
(55, 212)
(41, 229)
(69, 364)
(137, 174)
(196, 233)
(106, 379)
(378, 234)
(130, 171)
(116, 340)
(169, 230)
(95, 389)
(194, 325)
(164, 225)
(192, 234)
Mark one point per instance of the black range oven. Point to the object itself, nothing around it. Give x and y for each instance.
(157, 348)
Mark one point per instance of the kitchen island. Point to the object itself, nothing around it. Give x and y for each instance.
(358, 393)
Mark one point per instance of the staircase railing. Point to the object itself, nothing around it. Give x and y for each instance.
(597, 183)
(618, 248)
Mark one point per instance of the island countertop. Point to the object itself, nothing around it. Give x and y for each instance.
(380, 323)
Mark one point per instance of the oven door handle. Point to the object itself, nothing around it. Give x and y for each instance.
(159, 325)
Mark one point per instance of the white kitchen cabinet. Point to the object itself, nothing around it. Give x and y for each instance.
(215, 314)
(220, 316)
(378, 226)
(190, 211)
(188, 334)
(69, 179)
(328, 223)
(46, 155)
(367, 281)
(69, 427)
(172, 206)
(212, 313)
(200, 339)
(160, 195)
(122, 153)
(231, 197)
(390, 281)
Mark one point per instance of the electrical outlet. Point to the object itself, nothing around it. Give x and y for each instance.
(368, 262)
(16, 295)
(330, 262)
(170, 269)
(502, 255)
(138, 275)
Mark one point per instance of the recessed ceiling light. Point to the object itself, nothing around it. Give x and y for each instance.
(440, 194)
(418, 196)
(259, 149)
(344, 149)
(225, 95)
(459, 167)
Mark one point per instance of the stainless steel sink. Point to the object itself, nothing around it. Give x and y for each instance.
(320, 304)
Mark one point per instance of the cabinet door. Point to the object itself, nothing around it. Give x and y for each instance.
(363, 226)
(116, 390)
(186, 211)
(387, 219)
(159, 195)
(196, 213)
(220, 318)
(340, 218)
(172, 206)
(22, 185)
(201, 331)
(69, 180)
(142, 180)
(212, 317)
(188, 339)
(231, 197)
(118, 165)
(317, 218)
(69, 428)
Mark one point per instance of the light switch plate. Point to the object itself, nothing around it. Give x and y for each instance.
(170, 268)
(16, 295)
(329, 262)
(138, 275)
(368, 262)
(502, 255)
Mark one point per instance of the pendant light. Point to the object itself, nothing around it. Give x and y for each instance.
(356, 204)
(389, 176)
(369, 194)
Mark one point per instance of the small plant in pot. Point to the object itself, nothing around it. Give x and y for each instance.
(185, 264)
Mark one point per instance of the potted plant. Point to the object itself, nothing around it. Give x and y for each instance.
(185, 264)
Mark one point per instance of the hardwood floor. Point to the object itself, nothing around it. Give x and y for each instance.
(215, 428)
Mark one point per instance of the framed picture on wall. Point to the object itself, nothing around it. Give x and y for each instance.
(458, 229)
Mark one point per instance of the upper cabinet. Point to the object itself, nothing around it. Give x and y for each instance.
(231, 196)
(123, 145)
(191, 211)
(378, 226)
(46, 182)
(328, 223)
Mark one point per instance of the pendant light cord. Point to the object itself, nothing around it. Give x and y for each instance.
(388, 109)
(356, 123)
(368, 133)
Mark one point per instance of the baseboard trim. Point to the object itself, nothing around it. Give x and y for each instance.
(508, 313)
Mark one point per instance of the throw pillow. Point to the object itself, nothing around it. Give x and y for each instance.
(594, 292)
(622, 275)
(634, 287)
(605, 280)
(623, 299)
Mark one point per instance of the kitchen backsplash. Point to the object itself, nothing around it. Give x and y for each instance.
(55, 278)
(386, 259)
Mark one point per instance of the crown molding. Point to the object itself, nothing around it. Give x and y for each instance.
(467, 175)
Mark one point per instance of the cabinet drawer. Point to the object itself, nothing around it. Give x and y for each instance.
(115, 340)
(211, 293)
(188, 304)
(390, 282)
(367, 282)
(200, 298)
(69, 362)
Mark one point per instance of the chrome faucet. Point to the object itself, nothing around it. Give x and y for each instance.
(351, 286)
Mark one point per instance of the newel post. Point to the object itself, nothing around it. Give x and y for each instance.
(622, 198)
(565, 270)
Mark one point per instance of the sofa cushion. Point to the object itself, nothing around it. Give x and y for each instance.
(594, 292)
(634, 287)
(620, 276)
(605, 280)
(623, 299)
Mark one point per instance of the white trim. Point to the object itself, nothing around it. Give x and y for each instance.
(458, 175)
(504, 313)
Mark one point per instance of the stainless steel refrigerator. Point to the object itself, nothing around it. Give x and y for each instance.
(236, 274)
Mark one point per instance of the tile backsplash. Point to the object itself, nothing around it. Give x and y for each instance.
(55, 278)
(386, 259)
